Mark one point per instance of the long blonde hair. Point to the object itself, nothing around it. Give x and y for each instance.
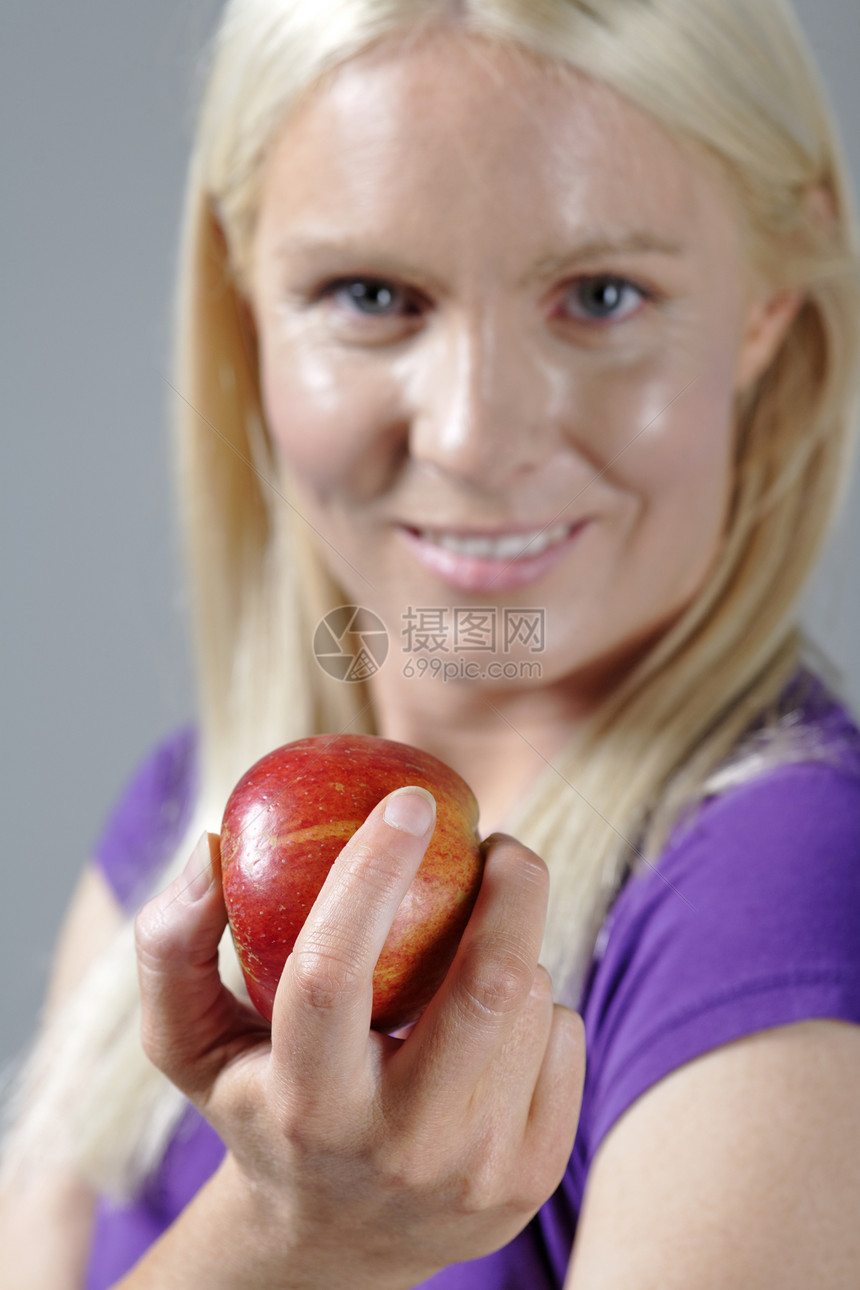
(734, 77)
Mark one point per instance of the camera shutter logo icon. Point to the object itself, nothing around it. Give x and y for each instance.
(350, 643)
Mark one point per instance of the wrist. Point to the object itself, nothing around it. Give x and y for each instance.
(229, 1237)
(274, 1249)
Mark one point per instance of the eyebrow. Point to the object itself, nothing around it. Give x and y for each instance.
(636, 242)
(319, 245)
(596, 247)
(329, 250)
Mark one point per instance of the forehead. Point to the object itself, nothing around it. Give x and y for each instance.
(454, 130)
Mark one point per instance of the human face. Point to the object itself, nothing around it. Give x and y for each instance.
(495, 300)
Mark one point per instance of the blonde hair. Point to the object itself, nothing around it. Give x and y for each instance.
(732, 76)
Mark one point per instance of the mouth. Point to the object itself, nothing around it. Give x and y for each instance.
(491, 561)
(501, 546)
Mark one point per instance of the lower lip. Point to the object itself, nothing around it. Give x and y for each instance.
(477, 573)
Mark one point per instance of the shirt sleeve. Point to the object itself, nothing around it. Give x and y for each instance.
(749, 920)
(149, 818)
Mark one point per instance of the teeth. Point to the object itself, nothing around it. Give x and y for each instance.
(503, 548)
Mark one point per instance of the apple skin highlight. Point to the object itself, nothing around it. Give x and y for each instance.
(286, 822)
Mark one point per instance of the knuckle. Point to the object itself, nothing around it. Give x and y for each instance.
(533, 871)
(300, 1123)
(405, 1167)
(323, 978)
(478, 1191)
(162, 941)
(149, 936)
(495, 979)
(492, 1186)
(378, 866)
(525, 866)
(312, 1126)
(531, 878)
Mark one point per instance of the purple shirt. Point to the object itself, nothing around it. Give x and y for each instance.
(750, 919)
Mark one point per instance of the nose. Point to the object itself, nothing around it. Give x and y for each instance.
(489, 405)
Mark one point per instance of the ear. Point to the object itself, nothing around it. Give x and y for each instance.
(768, 323)
(770, 318)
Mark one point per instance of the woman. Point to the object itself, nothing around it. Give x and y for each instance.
(458, 277)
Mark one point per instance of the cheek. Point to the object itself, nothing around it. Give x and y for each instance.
(687, 487)
(332, 431)
(676, 477)
(679, 421)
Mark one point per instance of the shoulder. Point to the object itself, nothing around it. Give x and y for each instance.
(781, 848)
(748, 920)
(149, 817)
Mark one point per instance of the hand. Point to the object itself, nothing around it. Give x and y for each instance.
(371, 1159)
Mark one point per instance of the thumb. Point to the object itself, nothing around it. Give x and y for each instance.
(189, 1018)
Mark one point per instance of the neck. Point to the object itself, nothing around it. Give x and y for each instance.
(499, 739)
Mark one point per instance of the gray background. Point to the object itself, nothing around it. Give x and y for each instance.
(96, 116)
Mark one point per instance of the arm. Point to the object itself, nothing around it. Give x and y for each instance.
(45, 1229)
(740, 1169)
(726, 1100)
(353, 1158)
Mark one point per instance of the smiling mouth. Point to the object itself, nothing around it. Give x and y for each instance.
(507, 546)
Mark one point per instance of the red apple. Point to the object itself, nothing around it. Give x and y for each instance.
(284, 825)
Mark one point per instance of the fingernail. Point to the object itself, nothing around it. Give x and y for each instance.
(412, 810)
(197, 874)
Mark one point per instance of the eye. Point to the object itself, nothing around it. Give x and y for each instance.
(372, 297)
(604, 298)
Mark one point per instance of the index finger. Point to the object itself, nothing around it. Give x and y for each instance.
(322, 1013)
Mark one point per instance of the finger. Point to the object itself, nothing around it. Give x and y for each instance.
(474, 1012)
(517, 1062)
(191, 1024)
(321, 1019)
(555, 1105)
(506, 1095)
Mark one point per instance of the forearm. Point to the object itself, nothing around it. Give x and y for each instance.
(228, 1239)
(45, 1233)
